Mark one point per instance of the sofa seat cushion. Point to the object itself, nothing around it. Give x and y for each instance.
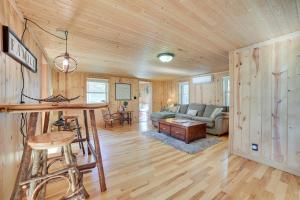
(199, 107)
(209, 121)
(186, 116)
(162, 115)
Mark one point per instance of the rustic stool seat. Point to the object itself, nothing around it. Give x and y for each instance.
(51, 140)
(39, 145)
(70, 117)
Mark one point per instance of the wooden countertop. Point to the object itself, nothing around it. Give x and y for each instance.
(42, 107)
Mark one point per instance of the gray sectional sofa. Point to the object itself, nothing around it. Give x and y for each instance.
(216, 125)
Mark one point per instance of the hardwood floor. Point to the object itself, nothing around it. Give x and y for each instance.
(138, 167)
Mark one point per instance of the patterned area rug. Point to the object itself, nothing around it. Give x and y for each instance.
(191, 148)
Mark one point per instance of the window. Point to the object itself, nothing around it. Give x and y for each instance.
(97, 90)
(184, 93)
(226, 90)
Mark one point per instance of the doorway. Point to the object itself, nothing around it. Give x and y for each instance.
(145, 100)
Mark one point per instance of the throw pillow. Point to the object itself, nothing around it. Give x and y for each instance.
(192, 112)
(216, 112)
(164, 109)
(199, 107)
(173, 109)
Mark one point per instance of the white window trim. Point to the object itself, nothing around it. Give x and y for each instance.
(179, 92)
(98, 80)
(224, 89)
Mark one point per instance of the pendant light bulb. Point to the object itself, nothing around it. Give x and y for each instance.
(66, 62)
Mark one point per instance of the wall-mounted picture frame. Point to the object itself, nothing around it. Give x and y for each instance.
(16, 49)
(122, 91)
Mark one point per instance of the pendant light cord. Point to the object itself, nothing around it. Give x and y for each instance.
(22, 37)
(22, 72)
(66, 33)
(23, 121)
(37, 25)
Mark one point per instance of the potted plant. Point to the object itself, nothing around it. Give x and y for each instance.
(125, 104)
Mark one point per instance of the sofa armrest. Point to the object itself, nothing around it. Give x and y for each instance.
(222, 123)
(222, 115)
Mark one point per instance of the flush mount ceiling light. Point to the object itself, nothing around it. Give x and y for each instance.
(65, 63)
(165, 57)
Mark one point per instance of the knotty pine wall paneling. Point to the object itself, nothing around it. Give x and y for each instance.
(10, 88)
(74, 84)
(166, 92)
(208, 93)
(266, 98)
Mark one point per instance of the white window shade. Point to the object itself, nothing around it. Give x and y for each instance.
(97, 90)
(202, 79)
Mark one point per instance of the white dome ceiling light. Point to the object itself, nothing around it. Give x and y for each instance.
(165, 57)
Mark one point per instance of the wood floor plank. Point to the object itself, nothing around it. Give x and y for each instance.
(141, 168)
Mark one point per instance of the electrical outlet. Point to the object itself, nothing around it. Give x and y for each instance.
(255, 147)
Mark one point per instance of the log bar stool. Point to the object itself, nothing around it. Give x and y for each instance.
(40, 143)
(93, 145)
(71, 123)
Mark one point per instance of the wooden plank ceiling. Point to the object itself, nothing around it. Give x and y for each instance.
(123, 37)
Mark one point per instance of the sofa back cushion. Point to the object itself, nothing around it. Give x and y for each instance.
(183, 108)
(210, 108)
(199, 107)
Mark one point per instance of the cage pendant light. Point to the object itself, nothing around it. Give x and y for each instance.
(65, 63)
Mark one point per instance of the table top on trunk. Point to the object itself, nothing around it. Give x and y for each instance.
(181, 122)
(43, 107)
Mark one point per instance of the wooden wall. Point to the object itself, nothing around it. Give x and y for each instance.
(166, 92)
(10, 88)
(74, 84)
(208, 93)
(265, 102)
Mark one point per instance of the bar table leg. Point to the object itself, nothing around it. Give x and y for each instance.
(98, 152)
(26, 156)
(42, 194)
(87, 134)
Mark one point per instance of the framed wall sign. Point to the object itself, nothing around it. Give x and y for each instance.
(123, 91)
(15, 48)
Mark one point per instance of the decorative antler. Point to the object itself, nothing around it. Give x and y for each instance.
(57, 99)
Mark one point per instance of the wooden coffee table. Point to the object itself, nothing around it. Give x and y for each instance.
(183, 129)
